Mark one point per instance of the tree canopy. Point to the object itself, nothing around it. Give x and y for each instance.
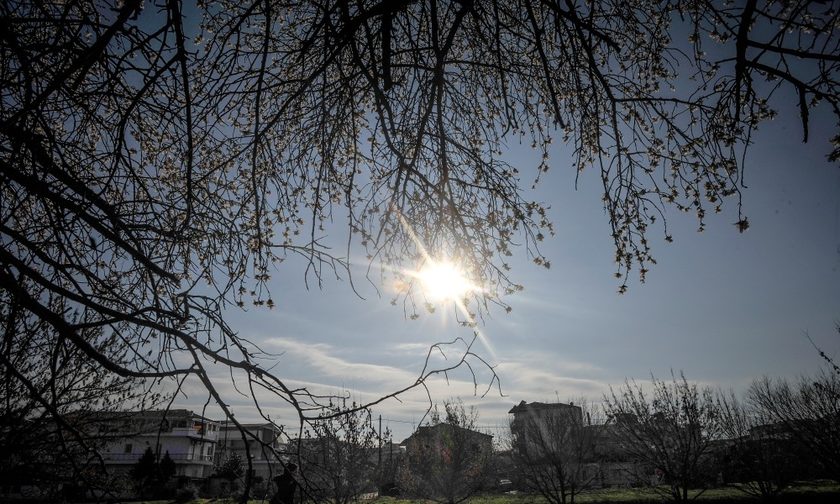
(448, 460)
(670, 430)
(161, 159)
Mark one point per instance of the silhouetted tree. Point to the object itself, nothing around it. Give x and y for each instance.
(448, 461)
(339, 455)
(829, 361)
(670, 430)
(144, 473)
(231, 468)
(807, 412)
(159, 159)
(554, 448)
(761, 459)
(50, 398)
(166, 468)
(149, 473)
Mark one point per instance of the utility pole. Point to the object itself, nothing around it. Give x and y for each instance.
(380, 440)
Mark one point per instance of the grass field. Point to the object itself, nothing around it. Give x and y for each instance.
(821, 492)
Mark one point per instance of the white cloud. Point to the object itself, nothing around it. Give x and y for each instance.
(320, 357)
(325, 369)
(523, 376)
(410, 348)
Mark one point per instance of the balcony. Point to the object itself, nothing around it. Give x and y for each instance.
(192, 432)
(134, 457)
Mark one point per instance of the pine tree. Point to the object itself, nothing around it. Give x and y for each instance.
(144, 471)
(166, 468)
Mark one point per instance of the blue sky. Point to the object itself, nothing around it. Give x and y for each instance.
(724, 307)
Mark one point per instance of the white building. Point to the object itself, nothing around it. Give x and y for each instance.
(263, 441)
(189, 438)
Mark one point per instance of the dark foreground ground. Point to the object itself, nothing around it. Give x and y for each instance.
(808, 493)
(814, 493)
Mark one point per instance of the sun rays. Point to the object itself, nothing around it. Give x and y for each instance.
(444, 281)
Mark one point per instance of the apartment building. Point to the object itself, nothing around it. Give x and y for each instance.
(262, 441)
(189, 438)
(546, 431)
(534, 422)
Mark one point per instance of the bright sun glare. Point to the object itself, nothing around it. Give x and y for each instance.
(444, 281)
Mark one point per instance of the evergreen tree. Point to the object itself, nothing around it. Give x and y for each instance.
(232, 468)
(144, 471)
(166, 468)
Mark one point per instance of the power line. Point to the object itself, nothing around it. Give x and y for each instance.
(398, 421)
(410, 422)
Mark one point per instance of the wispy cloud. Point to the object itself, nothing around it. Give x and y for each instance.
(525, 381)
(328, 369)
(551, 360)
(409, 348)
(322, 358)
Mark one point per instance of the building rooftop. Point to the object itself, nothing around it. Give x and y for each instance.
(525, 406)
(425, 429)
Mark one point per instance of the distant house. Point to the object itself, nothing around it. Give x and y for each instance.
(539, 409)
(434, 437)
(262, 441)
(536, 418)
(616, 468)
(447, 463)
(551, 426)
(189, 438)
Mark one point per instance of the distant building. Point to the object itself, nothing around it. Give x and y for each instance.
(539, 409)
(606, 464)
(543, 417)
(434, 436)
(189, 438)
(447, 462)
(262, 441)
(615, 468)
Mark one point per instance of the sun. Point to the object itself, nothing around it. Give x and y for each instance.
(444, 281)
